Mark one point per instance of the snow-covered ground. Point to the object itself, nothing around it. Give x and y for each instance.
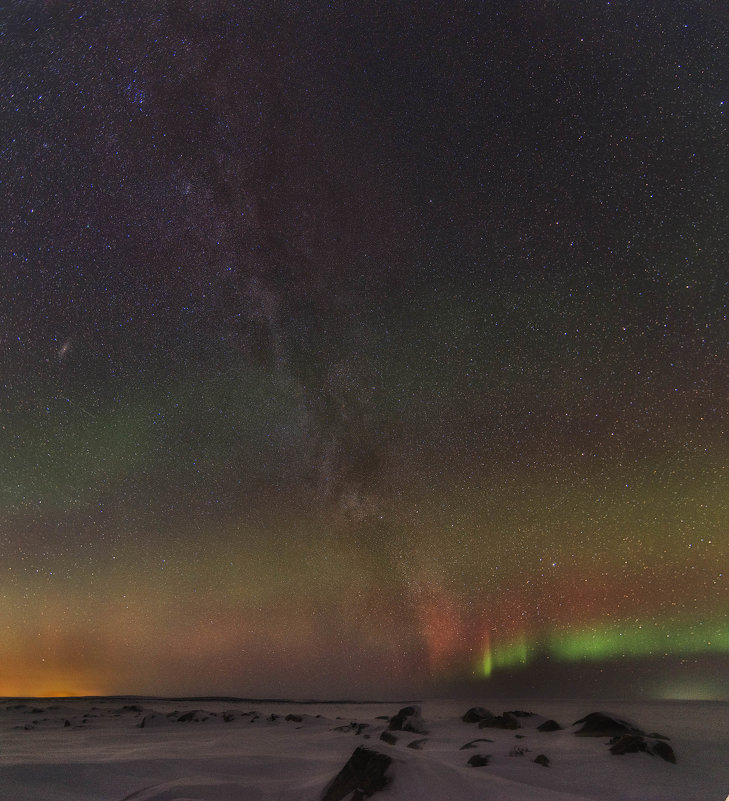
(96, 750)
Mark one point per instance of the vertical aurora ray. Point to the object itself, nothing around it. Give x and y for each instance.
(513, 653)
(487, 660)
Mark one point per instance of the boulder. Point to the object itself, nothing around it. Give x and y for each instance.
(549, 725)
(628, 744)
(479, 760)
(408, 719)
(505, 721)
(418, 744)
(542, 760)
(364, 773)
(476, 714)
(388, 738)
(195, 716)
(598, 724)
(636, 743)
(662, 749)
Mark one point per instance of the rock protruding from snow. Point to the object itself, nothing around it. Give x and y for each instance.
(476, 714)
(542, 760)
(479, 760)
(549, 725)
(418, 744)
(363, 775)
(662, 749)
(195, 716)
(474, 743)
(635, 743)
(409, 718)
(598, 724)
(505, 721)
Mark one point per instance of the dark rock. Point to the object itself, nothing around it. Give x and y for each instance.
(357, 728)
(542, 760)
(476, 714)
(363, 775)
(408, 719)
(662, 749)
(636, 743)
(549, 725)
(66, 723)
(479, 760)
(628, 744)
(388, 738)
(472, 744)
(418, 744)
(294, 718)
(518, 713)
(505, 721)
(597, 724)
(195, 716)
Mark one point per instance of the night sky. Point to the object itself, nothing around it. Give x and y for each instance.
(358, 349)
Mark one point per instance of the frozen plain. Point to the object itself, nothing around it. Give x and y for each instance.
(96, 749)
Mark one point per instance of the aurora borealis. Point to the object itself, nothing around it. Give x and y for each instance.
(359, 349)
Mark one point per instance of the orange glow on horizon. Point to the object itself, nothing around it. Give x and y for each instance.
(38, 684)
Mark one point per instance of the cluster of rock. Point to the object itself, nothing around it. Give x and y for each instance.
(370, 769)
(487, 720)
(508, 721)
(625, 738)
(153, 719)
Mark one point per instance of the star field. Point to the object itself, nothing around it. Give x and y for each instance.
(359, 350)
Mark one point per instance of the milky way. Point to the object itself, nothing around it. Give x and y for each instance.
(359, 350)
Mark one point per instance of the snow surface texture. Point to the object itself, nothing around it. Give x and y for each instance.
(223, 750)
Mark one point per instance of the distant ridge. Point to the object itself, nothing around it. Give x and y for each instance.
(228, 699)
